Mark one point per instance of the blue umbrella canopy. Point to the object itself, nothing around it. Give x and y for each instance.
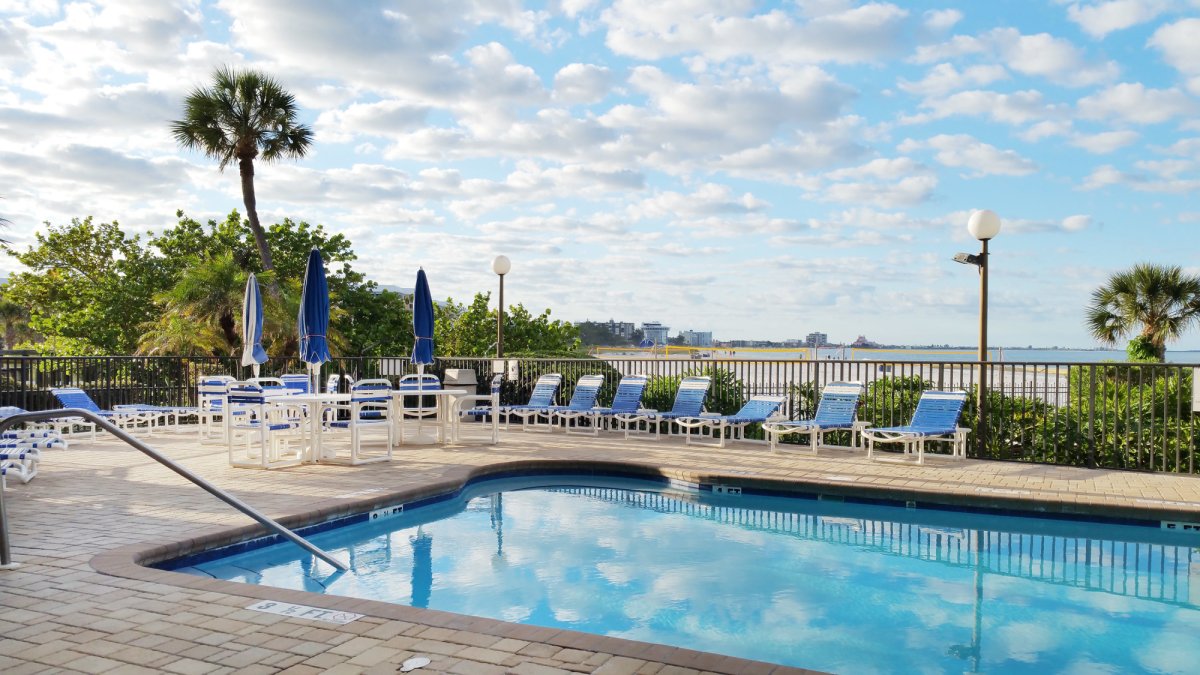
(422, 352)
(314, 313)
(253, 353)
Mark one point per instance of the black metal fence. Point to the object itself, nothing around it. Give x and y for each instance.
(1110, 415)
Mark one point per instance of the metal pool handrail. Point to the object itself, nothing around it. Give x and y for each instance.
(6, 556)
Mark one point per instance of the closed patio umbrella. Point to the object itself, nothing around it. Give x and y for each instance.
(422, 353)
(253, 353)
(314, 318)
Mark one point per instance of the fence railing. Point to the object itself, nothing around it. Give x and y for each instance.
(1109, 415)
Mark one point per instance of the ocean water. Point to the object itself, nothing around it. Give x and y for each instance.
(997, 355)
(818, 584)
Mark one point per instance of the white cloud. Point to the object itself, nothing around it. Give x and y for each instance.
(945, 78)
(1105, 142)
(1076, 223)
(964, 151)
(1134, 103)
(1103, 176)
(723, 29)
(942, 19)
(383, 118)
(1019, 107)
(1102, 18)
(1179, 43)
(1039, 55)
(582, 83)
(1046, 129)
(1167, 177)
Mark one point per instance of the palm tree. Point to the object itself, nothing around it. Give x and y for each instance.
(244, 115)
(1162, 300)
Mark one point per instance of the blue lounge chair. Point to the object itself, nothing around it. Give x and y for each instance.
(21, 449)
(835, 412)
(626, 401)
(300, 382)
(544, 391)
(583, 399)
(758, 409)
(936, 419)
(125, 416)
(689, 402)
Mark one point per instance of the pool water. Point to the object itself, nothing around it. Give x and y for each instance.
(813, 583)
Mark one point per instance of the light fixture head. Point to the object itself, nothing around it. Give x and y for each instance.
(983, 224)
(967, 258)
(501, 265)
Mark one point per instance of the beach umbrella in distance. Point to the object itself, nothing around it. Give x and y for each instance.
(314, 318)
(422, 353)
(253, 353)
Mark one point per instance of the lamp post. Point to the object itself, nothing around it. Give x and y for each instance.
(983, 225)
(501, 265)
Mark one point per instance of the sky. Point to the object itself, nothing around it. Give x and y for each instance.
(754, 169)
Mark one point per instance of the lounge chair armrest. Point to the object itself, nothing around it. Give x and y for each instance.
(710, 414)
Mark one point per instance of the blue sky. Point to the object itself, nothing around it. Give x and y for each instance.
(760, 170)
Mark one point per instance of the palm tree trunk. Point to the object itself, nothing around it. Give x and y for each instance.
(246, 165)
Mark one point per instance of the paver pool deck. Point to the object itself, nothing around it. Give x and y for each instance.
(79, 602)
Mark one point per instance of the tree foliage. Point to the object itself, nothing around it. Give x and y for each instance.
(470, 330)
(92, 289)
(89, 287)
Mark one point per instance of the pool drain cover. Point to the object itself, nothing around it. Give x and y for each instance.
(414, 663)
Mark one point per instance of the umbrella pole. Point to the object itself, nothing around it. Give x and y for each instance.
(255, 368)
(420, 398)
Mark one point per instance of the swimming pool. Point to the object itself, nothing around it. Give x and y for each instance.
(822, 584)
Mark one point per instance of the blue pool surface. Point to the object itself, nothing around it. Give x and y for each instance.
(813, 583)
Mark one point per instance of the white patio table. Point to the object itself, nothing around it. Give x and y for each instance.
(314, 407)
(444, 420)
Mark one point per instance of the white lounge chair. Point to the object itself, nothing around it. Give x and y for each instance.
(935, 419)
(835, 412)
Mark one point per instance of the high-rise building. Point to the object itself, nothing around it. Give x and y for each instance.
(695, 338)
(622, 329)
(655, 332)
(816, 339)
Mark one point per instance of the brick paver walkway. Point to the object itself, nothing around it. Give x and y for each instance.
(79, 603)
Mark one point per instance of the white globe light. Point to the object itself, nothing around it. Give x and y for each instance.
(501, 265)
(984, 224)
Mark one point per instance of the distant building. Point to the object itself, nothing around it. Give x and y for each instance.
(656, 332)
(695, 338)
(816, 340)
(622, 329)
(863, 343)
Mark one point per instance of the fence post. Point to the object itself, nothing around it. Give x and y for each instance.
(1091, 428)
